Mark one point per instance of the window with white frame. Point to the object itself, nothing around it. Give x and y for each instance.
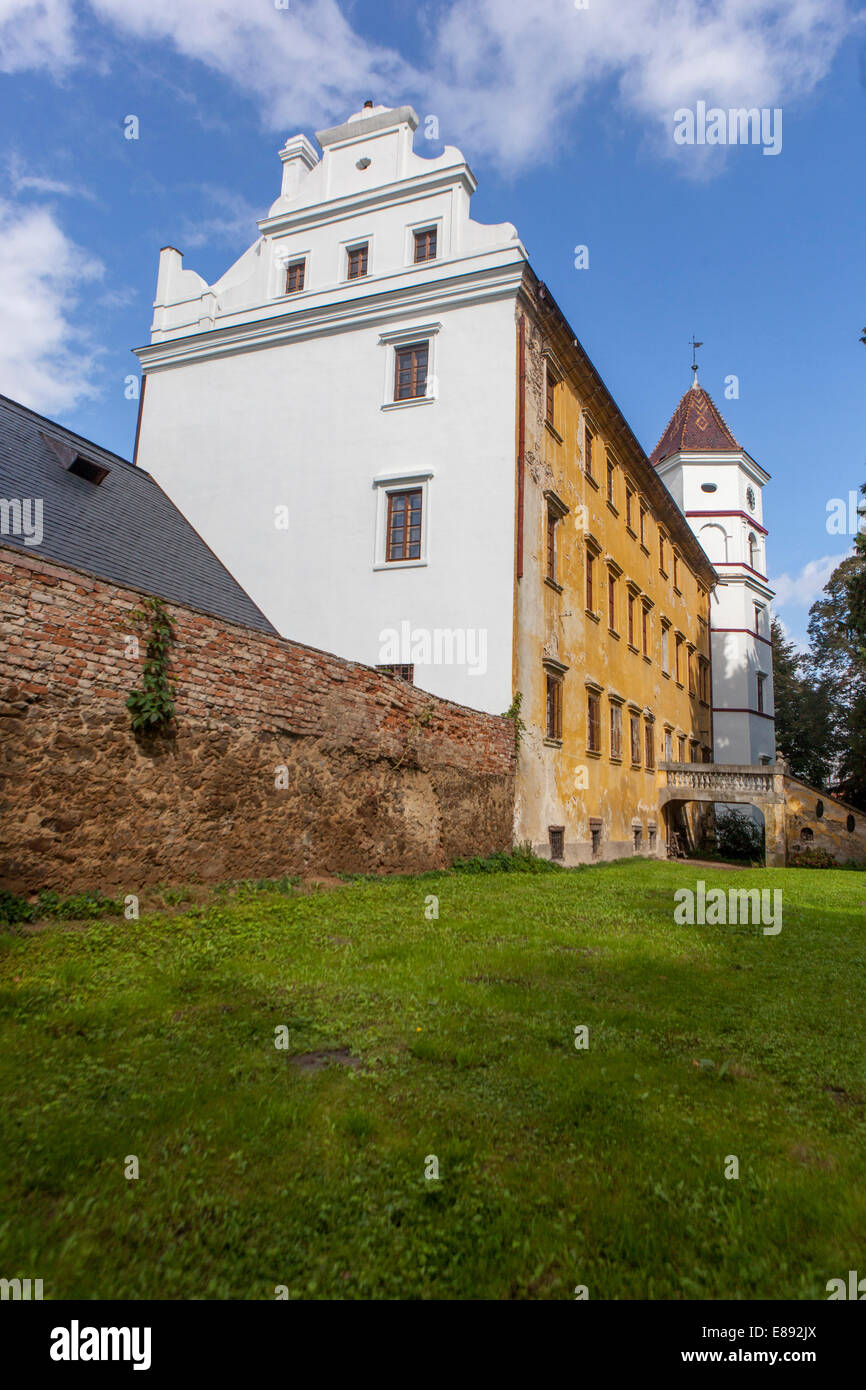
(410, 366)
(402, 520)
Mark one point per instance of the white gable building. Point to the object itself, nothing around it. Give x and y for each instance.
(336, 414)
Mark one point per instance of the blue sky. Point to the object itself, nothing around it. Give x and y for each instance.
(566, 117)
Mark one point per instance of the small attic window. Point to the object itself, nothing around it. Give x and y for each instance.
(74, 462)
(709, 487)
(84, 468)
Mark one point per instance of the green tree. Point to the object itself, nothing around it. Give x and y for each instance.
(837, 635)
(804, 713)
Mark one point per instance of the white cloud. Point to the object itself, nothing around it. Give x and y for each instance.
(45, 362)
(301, 65)
(801, 590)
(232, 223)
(35, 34)
(508, 79)
(515, 74)
(23, 182)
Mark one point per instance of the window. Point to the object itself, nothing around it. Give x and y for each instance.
(691, 664)
(678, 660)
(653, 833)
(595, 836)
(556, 835)
(425, 245)
(551, 381)
(850, 824)
(665, 654)
(758, 611)
(405, 672)
(87, 469)
(662, 552)
(703, 680)
(761, 680)
(410, 371)
(643, 525)
(611, 602)
(616, 732)
(819, 809)
(356, 265)
(635, 740)
(590, 581)
(610, 481)
(807, 833)
(554, 706)
(295, 277)
(644, 631)
(593, 724)
(669, 746)
(403, 541)
(588, 438)
(676, 572)
(681, 749)
(631, 620)
(637, 832)
(629, 498)
(753, 550)
(694, 750)
(649, 747)
(552, 519)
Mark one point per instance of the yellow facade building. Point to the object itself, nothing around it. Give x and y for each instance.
(611, 642)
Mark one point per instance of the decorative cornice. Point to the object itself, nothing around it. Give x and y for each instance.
(369, 310)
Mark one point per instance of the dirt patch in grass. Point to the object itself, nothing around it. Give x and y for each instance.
(308, 1062)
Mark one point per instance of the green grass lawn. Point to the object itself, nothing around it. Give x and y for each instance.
(455, 1038)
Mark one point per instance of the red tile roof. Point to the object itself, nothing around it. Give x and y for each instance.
(695, 426)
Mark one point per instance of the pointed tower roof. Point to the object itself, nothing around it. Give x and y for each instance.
(695, 426)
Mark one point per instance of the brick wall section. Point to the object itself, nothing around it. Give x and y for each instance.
(381, 776)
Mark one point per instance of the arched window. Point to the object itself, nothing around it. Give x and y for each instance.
(715, 542)
(754, 553)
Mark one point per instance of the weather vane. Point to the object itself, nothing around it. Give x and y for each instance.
(694, 345)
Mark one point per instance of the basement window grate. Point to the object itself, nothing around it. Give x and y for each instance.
(556, 835)
(402, 673)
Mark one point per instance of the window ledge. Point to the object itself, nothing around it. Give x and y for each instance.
(616, 759)
(644, 548)
(591, 480)
(612, 507)
(647, 659)
(554, 431)
(633, 648)
(593, 752)
(667, 675)
(613, 633)
(413, 400)
(552, 742)
(596, 617)
(552, 584)
(631, 532)
(663, 573)
(399, 564)
(678, 591)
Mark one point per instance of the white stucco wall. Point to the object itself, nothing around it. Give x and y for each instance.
(257, 400)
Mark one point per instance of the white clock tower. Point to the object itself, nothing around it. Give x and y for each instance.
(718, 487)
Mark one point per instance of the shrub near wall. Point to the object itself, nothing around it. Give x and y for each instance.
(283, 759)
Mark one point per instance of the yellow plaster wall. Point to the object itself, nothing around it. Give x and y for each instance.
(565, 785)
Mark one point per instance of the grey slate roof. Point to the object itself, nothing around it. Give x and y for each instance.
(124, 529)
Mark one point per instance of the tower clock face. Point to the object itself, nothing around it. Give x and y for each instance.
(750, 498)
